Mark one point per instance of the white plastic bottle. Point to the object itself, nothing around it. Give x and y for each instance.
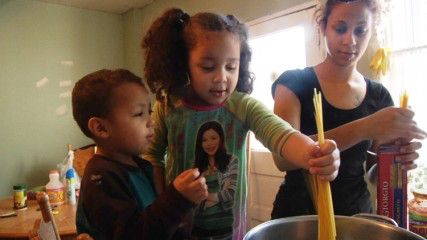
(71, 187)
(55, 189)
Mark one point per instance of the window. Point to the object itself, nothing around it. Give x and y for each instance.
(282, 42)
(406, 36)
(271, 56)
(279, 42)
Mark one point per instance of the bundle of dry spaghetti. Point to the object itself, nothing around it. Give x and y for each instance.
(321, 189)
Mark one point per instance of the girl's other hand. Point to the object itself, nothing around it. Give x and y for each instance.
(326, 160)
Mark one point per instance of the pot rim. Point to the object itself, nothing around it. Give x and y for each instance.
(305, 218)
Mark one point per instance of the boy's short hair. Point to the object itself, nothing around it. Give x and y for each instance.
(91, 95)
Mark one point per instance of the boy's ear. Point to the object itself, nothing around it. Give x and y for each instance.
(98, 127)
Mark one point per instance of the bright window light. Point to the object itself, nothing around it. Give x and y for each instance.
(406, 36)
(272, 54)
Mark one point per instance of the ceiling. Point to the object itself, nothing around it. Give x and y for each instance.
(112, 6)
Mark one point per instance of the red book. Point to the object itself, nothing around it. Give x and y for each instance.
(391, 186)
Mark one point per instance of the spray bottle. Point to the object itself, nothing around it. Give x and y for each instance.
(71, 186)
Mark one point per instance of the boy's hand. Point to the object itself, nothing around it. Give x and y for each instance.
(325, 161)
(191, 186)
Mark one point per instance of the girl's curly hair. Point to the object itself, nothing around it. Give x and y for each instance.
(169, 40)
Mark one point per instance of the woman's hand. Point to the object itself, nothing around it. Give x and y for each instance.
(408, 154)
(326, 160)
(392, 123)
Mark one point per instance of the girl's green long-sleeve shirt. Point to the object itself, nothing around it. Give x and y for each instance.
(176, 132)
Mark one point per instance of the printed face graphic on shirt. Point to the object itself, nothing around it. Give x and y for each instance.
(220, 170)
(211, 141)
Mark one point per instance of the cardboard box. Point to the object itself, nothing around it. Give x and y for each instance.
(392, 186)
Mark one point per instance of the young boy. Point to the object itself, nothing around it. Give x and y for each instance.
(117, 198)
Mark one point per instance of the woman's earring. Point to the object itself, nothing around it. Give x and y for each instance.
(188, 80)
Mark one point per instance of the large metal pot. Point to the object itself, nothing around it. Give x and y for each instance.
(348, 228)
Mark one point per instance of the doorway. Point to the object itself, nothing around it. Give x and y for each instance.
(280, 42)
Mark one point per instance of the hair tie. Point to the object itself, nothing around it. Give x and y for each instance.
(183, 18)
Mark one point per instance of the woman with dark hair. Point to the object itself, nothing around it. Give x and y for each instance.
(214, 215)
(358, 112)
(204, 151)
